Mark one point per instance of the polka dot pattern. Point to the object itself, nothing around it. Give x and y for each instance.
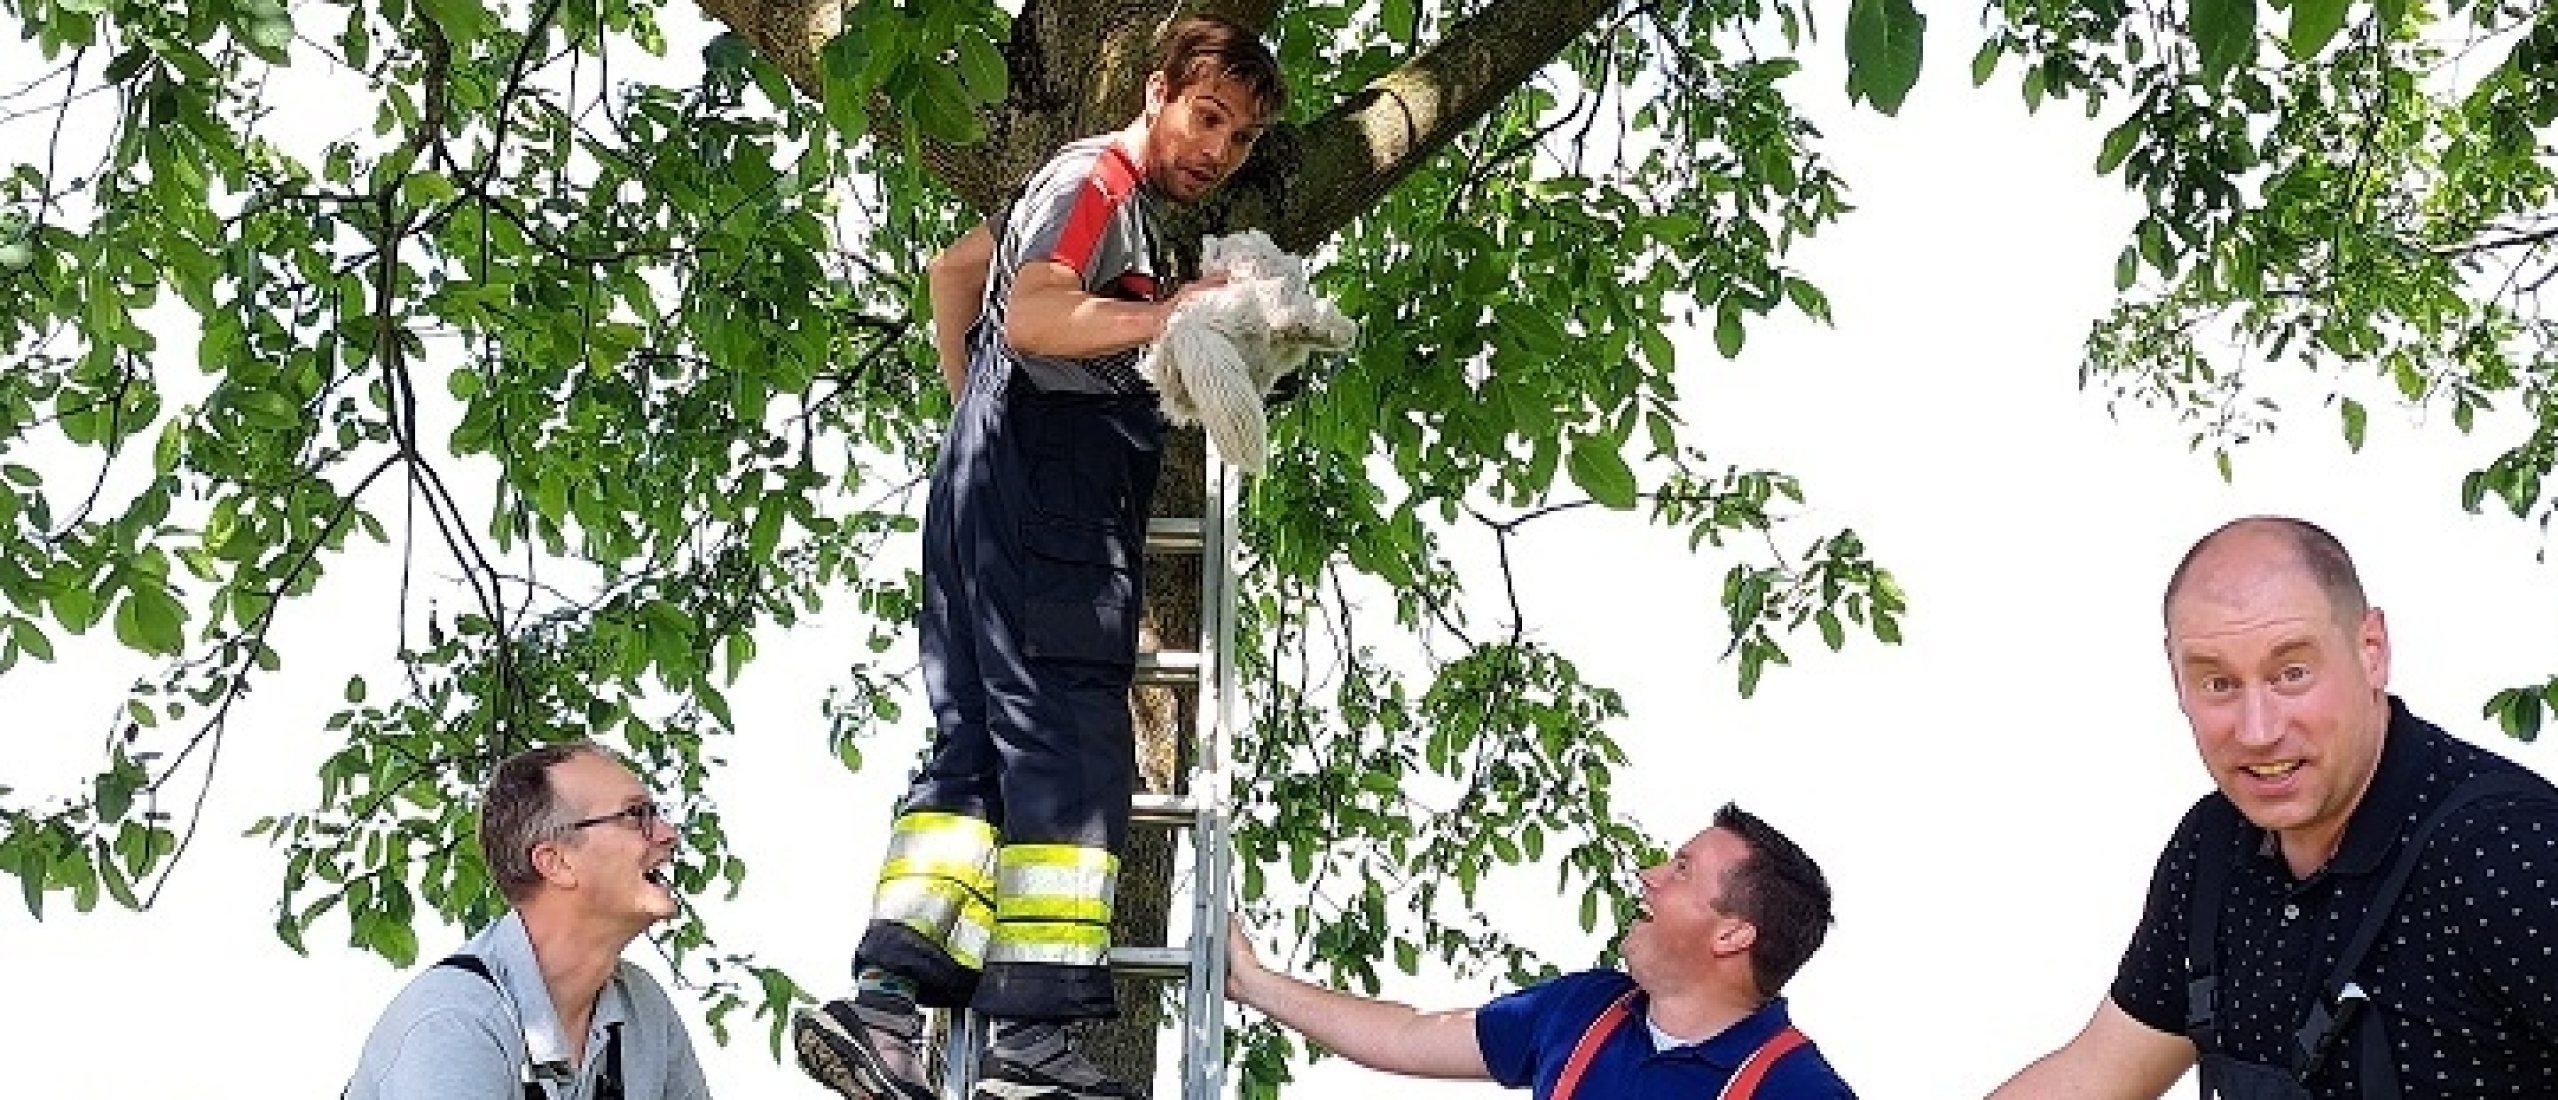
(2465, 974)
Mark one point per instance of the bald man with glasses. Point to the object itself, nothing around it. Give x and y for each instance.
(540, 1005)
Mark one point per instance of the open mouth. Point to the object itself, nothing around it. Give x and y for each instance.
(2273, 772)
(657, 876)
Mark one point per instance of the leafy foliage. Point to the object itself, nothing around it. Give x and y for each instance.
(614, 359)
(2367, 186)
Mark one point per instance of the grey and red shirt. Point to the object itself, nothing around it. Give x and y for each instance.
(1088, 208)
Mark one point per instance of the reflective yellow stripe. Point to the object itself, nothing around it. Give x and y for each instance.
(940, 843)
(977, 875)
(1042, 875)
(1073, 944)
(970, 934)
(1052, 904)
(938, 867)
(928, 905)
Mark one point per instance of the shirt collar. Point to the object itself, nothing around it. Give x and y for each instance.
(507, 948)
(2382, 815)
(1733, 1045)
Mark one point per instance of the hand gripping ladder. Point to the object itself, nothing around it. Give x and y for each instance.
(1201, 964)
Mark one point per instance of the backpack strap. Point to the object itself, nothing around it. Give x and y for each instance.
(473, 964)
(1745, 1081)
(1592, 1038)
(2341, 1000)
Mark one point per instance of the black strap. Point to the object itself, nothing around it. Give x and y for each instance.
(2211, 881)
(2333, 1011)
(610, 1088)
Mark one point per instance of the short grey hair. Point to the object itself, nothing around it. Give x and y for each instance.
(521, 810)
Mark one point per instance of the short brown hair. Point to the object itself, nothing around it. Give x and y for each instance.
(1781, 892)
(520, 811)
(1202, 47)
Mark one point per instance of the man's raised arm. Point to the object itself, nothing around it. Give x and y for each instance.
(1380, 1035)
(2114, 1057)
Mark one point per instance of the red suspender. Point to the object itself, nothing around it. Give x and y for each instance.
(1744, 1082)
(1588, 1047)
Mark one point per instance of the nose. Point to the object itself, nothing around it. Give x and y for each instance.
(1648, 876)
(2258, 723)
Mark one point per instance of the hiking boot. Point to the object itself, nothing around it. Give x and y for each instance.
(868, 1048)
(1032, 1060)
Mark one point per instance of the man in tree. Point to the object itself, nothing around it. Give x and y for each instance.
(541, 1003)
(2361, 908)
(997, 887)
(1696, 1012)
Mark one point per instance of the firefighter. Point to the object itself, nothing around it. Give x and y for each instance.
(996, 890)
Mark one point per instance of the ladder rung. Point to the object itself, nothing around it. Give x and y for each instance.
(1163, 963)
(1164, 809)
(1168, 666)
(1175, 535)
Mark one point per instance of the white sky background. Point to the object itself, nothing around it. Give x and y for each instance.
(1987, 798)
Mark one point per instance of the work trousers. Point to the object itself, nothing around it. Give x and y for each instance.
(998, 885)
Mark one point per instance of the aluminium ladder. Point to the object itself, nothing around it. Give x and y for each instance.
(1201, 807)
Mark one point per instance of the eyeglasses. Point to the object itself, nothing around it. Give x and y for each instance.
(642, 816)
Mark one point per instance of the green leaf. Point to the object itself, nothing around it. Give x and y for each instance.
(2118, 145)
(2355, 419)
(2520, 716)
(270, 38)
(1536, 330)
(462, 21)
(1985, 63)
(982, 68)
(2224, 33)
(1809, 300)
(1884, 50)
(1599, 468)
(1728, 333)
(2314, 23)
(31, 638)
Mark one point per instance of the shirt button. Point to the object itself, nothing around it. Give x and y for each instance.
(2291, 912)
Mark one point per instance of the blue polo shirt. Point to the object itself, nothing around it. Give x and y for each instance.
(1527, 1036)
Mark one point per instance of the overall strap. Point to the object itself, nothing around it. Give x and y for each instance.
(473, 964)
(611, 1087)
(2211, 881)
(1745, 1081)
(1592, 1038)
(2341, 1000)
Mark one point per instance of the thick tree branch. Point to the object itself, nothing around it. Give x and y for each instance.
(1077, 66)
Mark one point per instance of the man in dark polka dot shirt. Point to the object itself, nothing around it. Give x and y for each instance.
(2282, 669)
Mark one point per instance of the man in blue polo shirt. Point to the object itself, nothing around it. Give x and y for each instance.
(1724, 923)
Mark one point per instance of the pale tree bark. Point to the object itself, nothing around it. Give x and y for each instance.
(1077, 67)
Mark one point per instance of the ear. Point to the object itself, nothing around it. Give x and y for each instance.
(2373, 647)
(550, 859)
(1734, 938)
(1158, 93)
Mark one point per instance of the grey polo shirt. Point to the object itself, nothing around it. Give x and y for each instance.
(449, 1035)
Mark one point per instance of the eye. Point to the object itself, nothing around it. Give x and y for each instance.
(2293, 674)
(2217, 683)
